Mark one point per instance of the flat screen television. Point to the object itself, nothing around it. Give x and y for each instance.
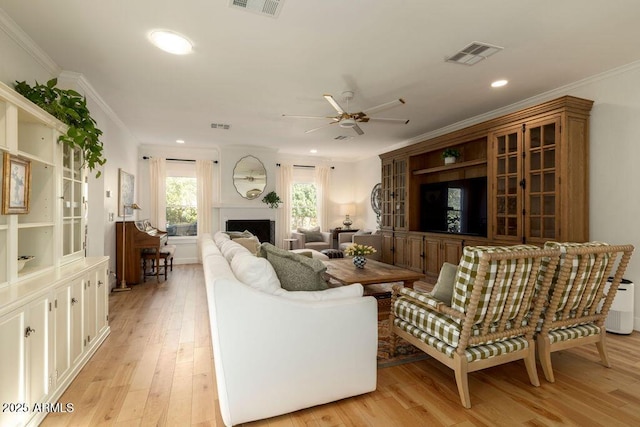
(458, 207)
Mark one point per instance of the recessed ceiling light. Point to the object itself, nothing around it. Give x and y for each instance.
(180, 141)
(171, 42)
(313, 150)
(499, 83)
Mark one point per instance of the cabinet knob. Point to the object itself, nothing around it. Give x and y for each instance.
(73, 301)
(100, 283)
(29, 331)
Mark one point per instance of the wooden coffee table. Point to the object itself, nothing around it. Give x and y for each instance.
(375, 277)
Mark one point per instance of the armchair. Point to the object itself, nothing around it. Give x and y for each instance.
(312, 239)
(578, 305)
(373, 240)
(492, 314)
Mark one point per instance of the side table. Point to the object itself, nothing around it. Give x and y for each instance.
(289, 243)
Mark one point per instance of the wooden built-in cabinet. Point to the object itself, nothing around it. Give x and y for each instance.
(535, 162)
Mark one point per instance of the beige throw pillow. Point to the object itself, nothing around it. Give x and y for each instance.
(251, 243)
(443, 290)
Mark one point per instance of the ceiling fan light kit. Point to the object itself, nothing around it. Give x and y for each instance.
(350, 120)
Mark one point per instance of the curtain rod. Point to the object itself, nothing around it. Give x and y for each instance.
(176, 160)
(303, 166)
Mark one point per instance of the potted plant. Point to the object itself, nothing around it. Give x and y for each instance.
(69, 107)
(450, 155)
(272, 199)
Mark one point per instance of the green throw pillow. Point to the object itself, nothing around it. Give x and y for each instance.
(443, 290)
(295, 272)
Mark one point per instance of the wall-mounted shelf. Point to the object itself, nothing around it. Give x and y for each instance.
(458, 165)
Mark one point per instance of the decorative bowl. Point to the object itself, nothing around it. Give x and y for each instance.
(22, 260)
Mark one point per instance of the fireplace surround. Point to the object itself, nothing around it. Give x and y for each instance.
(264, 229)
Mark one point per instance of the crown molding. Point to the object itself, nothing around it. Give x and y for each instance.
(21, 38)
(528, 102)
(79, 80)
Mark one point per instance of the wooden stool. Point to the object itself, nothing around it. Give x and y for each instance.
(165, 254)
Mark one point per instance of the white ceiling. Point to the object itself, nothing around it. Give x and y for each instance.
(247, 69)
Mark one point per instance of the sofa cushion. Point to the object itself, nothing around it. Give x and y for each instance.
(295, 272)
(256, 272)
(230, 249)
(443, 290)
(220, 238)
(311, 234)
(340, 292)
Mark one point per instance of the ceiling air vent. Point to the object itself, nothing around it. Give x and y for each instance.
(220, 126)
(474, 53)
(263, 7)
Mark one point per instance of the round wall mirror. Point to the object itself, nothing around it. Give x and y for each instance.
(249, 177)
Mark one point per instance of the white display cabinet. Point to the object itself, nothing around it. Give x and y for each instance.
(54, 310)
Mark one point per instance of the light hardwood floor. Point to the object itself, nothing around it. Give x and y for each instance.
(156, 369)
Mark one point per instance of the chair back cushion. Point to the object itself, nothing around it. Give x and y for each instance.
(578, 289)
(466, 276)
(311, 235)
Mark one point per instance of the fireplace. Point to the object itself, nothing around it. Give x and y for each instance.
(264, 229)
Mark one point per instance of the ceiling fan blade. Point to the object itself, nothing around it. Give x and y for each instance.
(334, 103)
(385, 106)
(315, 129)
(308, 117)
(383, 119)
(358, 130)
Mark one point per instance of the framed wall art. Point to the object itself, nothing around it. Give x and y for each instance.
(126, 182)
(16, 185)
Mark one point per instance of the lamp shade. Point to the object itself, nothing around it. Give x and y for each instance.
(348, 209)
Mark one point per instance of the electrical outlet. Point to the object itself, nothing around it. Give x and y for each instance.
(111, 216)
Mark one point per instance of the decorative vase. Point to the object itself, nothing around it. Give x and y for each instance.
(359, 261)
(449, 160)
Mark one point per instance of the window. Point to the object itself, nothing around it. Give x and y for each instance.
(454, 210)
(304, 205)
(182, 205)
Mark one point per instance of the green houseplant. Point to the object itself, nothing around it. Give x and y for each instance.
(69, 107)
(272, 199)
(450, 155)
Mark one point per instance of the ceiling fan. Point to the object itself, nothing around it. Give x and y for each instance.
(351, 120)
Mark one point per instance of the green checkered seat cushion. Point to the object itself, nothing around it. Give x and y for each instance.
(574, 332)
(416, 308)
(466, 276)
(484, 351)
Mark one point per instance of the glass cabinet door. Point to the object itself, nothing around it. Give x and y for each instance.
(400, 194)
(541, 178)
(506, 172)
(73, 200)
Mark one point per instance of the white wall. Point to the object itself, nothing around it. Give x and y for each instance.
(22, 60)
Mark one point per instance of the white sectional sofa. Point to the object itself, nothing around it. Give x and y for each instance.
(277, 351)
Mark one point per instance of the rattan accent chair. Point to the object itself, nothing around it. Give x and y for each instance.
(492, 316)
(578, 303)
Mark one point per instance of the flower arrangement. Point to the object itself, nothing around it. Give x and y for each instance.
(356, 249)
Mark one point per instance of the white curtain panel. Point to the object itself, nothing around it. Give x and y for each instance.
(204, 177)
(322, 185)
(284, 180)
(157, 178)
